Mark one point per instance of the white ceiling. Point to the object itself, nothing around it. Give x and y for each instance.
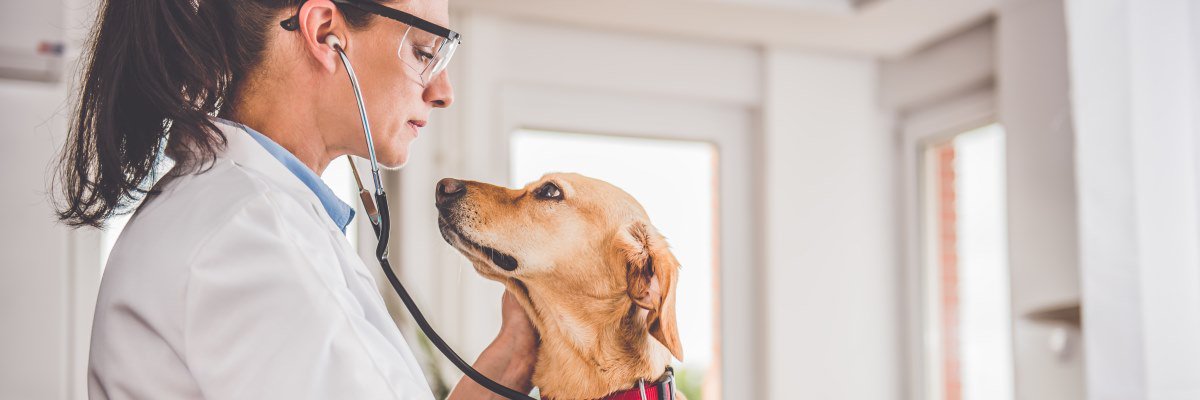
(872, 28)
(834, 6)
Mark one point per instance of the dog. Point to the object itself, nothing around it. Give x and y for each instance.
(595, 277)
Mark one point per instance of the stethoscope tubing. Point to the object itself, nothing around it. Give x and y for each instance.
(381, 223)
(362, 115)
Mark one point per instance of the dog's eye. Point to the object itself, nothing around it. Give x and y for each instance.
(548, 191)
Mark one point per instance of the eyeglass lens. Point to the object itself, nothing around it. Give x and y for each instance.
(425, 53)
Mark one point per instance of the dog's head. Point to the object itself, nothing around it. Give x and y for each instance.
(566, 234)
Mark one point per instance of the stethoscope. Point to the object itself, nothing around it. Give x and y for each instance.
(377, 214)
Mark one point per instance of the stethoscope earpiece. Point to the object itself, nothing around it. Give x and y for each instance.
(333, 42)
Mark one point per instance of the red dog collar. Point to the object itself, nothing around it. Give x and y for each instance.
(664, 389)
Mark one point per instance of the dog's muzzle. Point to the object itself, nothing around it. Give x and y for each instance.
(448, 192)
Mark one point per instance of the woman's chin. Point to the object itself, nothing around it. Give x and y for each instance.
(393, 152)
(394, 161)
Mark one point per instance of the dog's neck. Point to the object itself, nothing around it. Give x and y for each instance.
(610, 352)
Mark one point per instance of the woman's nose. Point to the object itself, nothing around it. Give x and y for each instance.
(449, 190)
(439, 92)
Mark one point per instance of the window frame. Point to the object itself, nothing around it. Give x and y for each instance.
(919, 129)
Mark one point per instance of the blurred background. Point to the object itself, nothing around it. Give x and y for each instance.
(871, 199)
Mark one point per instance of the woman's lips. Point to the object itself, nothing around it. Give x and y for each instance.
(416, 125)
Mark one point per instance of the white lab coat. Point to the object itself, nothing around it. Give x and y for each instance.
(235, 284)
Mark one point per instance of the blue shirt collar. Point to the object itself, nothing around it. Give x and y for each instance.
(340, 212)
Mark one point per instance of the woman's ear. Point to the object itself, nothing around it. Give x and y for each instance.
(318, 20)
(651, 274)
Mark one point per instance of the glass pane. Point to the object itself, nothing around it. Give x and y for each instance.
(675, 181)
(968, 329)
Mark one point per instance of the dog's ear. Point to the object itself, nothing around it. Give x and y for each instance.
(651, 274)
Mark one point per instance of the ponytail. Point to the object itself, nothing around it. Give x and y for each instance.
(155, 71)
(152, 67)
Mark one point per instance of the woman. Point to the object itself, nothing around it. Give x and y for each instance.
(233, 279)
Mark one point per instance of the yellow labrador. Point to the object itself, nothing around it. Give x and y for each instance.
(593, 274)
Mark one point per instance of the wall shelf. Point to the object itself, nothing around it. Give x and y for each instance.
(1068, 313)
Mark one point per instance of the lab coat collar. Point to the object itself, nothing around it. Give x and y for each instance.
(338, 210)
(243, 150)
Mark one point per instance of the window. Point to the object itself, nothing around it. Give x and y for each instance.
(675, 181)
(968, 344)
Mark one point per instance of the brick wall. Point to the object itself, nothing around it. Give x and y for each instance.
(948, 271)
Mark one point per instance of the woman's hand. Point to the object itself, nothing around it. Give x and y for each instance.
(517, 329)
(509, 359)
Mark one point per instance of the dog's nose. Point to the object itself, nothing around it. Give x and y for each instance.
(449, 190)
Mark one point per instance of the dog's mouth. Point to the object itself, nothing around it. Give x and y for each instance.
(451, 234)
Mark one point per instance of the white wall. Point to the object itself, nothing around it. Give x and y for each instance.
(1138, 195)
(33, 250)
(832, 259)
(952, 67)
(43, 343)
(1035, 112)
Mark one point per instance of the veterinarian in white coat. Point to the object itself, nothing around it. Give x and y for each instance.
(233, 279)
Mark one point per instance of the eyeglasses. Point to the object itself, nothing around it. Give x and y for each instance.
(426, 50)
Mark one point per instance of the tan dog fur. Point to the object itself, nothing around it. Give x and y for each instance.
(593, 274)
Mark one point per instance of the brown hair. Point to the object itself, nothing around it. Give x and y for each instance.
(155, 71)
